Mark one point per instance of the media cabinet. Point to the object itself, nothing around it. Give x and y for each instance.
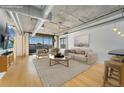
(6, 60)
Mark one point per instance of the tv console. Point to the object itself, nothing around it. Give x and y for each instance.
(6, 60)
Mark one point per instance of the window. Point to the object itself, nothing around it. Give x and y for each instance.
(46, 42)
(40, 42)
(62, 43)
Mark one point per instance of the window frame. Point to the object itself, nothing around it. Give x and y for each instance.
(63, 42)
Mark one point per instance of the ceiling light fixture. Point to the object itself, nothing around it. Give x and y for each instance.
(117, 30)
(114, 29)
(119, 33)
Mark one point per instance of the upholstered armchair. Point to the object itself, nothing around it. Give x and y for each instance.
(54, 51)
(41, 52)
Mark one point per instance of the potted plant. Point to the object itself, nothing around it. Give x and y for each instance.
(57, 53)
(56, 50)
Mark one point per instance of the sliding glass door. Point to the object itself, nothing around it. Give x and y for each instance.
(40, 42)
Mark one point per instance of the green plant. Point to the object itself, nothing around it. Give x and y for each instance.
(56, 50)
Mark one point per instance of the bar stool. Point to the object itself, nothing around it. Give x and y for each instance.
(113, 71)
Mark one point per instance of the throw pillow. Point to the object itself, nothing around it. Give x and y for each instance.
(73, 51)
(83, 52)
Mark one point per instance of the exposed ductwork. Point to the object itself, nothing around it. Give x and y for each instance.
(108, 18)
(15, 21)
(47, 11)
(39, 24)
(111, 20)
(18, 21)
(31, 11)
(27, 10)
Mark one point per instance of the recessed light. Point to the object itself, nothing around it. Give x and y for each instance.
(114, 29)
(119, 33)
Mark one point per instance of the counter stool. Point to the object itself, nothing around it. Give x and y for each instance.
(113, 71)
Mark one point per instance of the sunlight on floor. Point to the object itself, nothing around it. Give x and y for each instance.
(2, 74)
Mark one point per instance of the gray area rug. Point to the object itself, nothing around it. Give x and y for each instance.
(57, 75)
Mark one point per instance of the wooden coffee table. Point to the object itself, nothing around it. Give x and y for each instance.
(58, 60)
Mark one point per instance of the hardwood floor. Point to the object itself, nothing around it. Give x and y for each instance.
(24, 74)
(93, 77)
(21, 74)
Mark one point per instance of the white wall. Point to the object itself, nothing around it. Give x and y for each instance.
(102, 39)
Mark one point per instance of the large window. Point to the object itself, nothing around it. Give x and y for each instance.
(40, 42)
(62, 43)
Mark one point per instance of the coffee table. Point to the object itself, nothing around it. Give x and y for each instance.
(55, 60)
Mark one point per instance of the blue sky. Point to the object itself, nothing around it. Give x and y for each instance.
(10, 31)
(45, 40)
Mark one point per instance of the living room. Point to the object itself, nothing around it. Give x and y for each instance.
(60, 48)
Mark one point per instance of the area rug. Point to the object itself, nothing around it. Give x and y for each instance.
(57, 75)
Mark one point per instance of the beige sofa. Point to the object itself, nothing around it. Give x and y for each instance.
(85, 55)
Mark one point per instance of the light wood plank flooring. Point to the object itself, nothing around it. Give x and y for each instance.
(23, 74)
(93, 77)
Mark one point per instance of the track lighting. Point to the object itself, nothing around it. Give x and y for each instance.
(119, 33)
(114, 29)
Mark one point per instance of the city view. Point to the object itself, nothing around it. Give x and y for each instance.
(40, 43)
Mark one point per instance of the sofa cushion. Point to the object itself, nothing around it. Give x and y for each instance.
(82, 52)
(77, 51)
(86, 49)
(79, 57)
(83, 55)
(91, 58)
(73, 51)
(71, 55)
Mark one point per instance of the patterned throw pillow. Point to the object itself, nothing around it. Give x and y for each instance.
(83, 52)
(73, 51)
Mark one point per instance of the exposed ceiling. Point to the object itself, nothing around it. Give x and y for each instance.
(74, 15)
(42, 7)
(64, 17)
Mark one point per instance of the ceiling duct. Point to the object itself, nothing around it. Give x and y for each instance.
(102, 20)
(15, 21)
(39, 24)
(50, 16)
(100, 24)
(27, 10)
